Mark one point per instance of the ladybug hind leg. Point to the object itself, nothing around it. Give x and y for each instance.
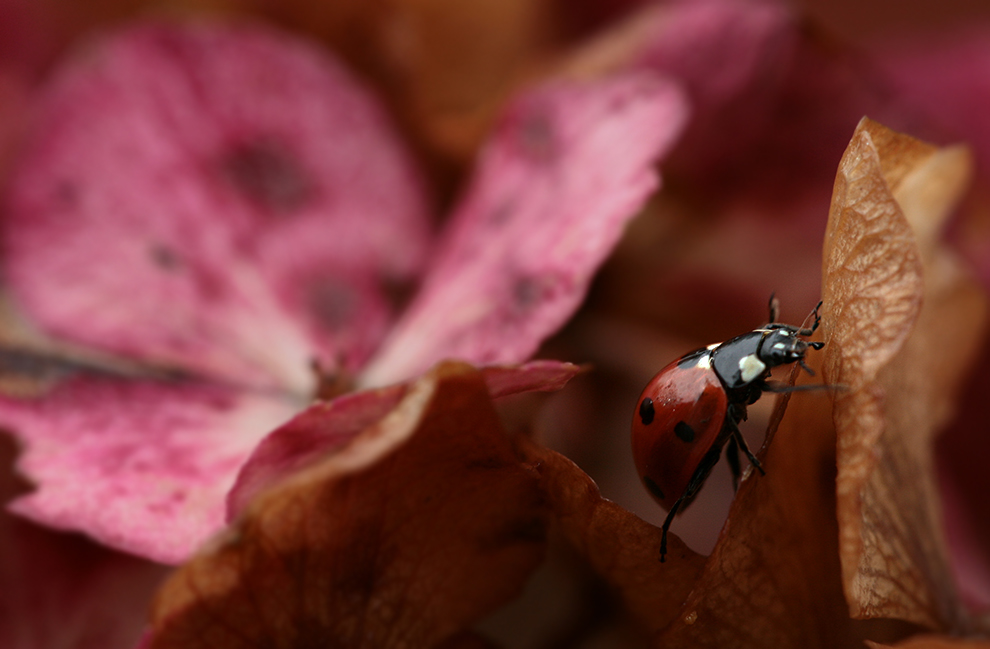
(732, 457)
(697, 479)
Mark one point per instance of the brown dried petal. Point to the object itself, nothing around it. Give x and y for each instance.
(423, 524)
(933, 642)
(903, 321)
(619, 546)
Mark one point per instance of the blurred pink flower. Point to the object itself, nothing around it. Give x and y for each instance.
(227, 209)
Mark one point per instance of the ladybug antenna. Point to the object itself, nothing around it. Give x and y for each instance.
(774, 306)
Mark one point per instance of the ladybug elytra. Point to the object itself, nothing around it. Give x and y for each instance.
(692, 408)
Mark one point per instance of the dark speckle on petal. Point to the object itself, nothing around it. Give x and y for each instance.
(67, 193)
(527, 293)
(333, 304)
(536, 137)
(267, 174)
(164, 257)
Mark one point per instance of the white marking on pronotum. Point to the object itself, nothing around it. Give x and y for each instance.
(705, 361)
(750, 367)
(779, 345)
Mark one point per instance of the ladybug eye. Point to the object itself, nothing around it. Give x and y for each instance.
(646, 411)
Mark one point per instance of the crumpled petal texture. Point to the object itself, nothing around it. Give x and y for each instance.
(568, 165)
(905, 318)
(215, 198)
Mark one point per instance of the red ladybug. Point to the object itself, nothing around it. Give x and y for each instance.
(692, 408)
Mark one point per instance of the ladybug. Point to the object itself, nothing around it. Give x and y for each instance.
(692, 408)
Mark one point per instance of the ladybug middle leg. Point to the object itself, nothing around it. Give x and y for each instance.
(737, 413)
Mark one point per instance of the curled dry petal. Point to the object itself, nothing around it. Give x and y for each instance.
(904, 320)
(326, 427)
(422, 524)
(570, 164)
(619, 546)
(216, 198)
(139, 465)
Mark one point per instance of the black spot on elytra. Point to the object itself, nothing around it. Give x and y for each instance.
(684, 431)
(267, 174)
(646, 411)
(653, 488)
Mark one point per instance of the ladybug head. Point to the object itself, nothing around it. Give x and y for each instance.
(783, 345)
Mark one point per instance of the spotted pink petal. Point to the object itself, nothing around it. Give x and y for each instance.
(222, 199)
(325, 427)
(569, 165)
(140, 466)
(62, 590)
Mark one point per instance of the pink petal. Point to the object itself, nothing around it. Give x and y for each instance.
(218, 198)
(568, 167)
(325, 427)
(63, 591)
(140, 466)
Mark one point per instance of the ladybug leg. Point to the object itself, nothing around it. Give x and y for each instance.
(732, 423)
(732, 457)
(697, 479)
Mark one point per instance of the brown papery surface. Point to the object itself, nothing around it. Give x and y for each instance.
(933, 642)
(421, 525)
(903, 321)
(618, 545)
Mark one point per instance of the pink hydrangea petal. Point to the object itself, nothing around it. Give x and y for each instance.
(62, 590)
(138, 465)
(218, 198)
(568, 166)
(324, 427)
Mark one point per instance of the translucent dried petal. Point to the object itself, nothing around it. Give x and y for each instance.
(420, 526)
(568, 167)
(904, 323)
(216, 198)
